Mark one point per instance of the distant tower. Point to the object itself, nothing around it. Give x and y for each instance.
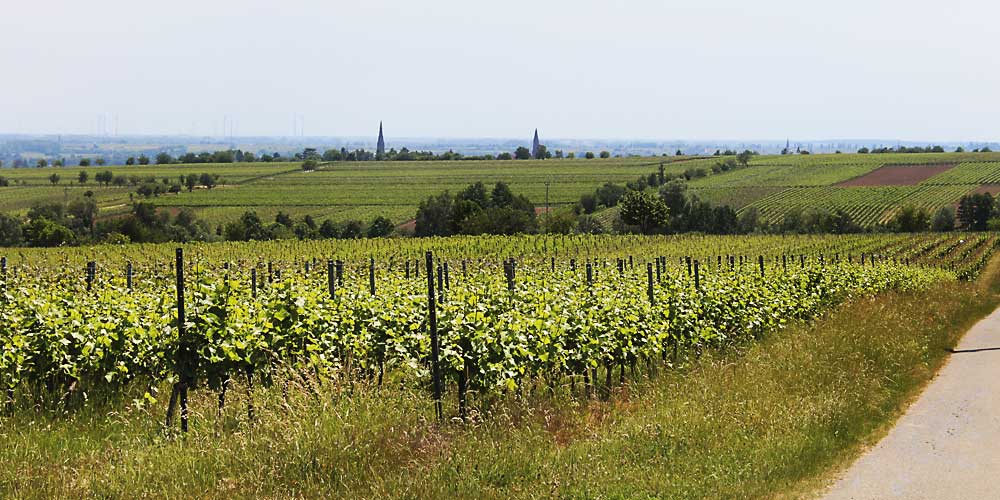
(380, 148)
(534, 145)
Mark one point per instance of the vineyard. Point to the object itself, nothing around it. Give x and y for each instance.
(341, 191)
(867, 206)
(969, 173)
(475, 317)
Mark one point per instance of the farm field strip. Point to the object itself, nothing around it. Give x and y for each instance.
(898, 175)
(785, 175)
(866, 205)
(969, 173)
(230, 172)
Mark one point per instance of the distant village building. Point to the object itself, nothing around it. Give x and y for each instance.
(380, 148)
(535, 145)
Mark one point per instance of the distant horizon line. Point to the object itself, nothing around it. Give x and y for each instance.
(226, 138)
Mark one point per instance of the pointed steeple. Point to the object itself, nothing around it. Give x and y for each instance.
(380, 148)
(534, 145)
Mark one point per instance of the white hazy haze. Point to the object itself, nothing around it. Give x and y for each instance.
(706, 69)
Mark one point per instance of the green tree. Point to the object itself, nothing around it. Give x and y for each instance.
(164, 158)
(975, 210)
(104, 177)
(143, 160)
(501, 196)
(522, 153)
(283, 219)
(605, 154)
(475, 193)
(588, 203)
(911, 220)
(328, 229)
(589, 155)
(82, 177)
(744, 157)
(84, 162)
(380, 227)
(351, 230)
(208, 180)
(645, 210)
(500, 220)
(11, 234)
(944, 219)
(434, 216)
(54, 179)
(610, 194)
(674, 194)
(560, 223)
(588, 224)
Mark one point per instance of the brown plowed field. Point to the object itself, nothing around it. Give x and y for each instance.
(993, 189)
(898, 175)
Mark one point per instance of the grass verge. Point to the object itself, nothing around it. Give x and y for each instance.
(768, 420)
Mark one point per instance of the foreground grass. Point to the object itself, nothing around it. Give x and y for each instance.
(763, 421)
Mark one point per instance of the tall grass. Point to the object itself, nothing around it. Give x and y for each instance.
(767, 419)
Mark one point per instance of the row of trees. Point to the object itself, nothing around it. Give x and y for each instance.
(148, 183)
(673, 210)
(250, 227)
(404, 154)
(918, 149)
(76, 222)
(476, 211)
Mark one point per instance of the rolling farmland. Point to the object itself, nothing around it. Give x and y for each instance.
(870, 187)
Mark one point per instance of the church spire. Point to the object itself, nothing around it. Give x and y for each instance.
(380, 148)
(534, 145)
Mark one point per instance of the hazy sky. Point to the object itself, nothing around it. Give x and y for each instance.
(700, 69)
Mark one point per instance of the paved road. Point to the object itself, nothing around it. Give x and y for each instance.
(947, 445)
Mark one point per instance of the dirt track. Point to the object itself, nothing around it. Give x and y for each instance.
(945, 446)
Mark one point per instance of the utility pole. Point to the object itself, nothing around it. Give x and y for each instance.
(547, 199)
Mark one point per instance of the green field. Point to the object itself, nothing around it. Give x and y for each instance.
(339, 191)
(584, 374)
(774, 185)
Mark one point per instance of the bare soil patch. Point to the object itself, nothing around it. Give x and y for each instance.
(898, 175)
(408, 227)
(993, 189)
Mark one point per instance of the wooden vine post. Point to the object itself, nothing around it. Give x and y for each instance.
(331, 278)
(649, 283)
(91, 271)
(183, 367)
(435, 341)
